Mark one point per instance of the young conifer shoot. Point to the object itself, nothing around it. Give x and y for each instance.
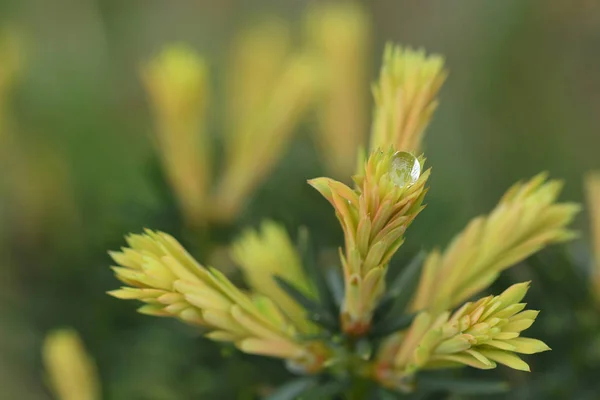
(352, 332)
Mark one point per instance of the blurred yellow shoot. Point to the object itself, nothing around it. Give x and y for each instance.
(339, 34)
(177, 85)
(266, 253)
(592, 186)
(405, 97)
(270, 87)
(161, 273)
(257, 55)
(38, 187)
(525, 220)
(71, 373)
(479, 334)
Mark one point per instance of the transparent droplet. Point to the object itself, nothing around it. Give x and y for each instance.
(406, 169)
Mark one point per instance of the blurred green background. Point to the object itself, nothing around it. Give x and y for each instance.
(523, 96)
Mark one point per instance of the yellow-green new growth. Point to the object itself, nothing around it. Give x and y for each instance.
(176, 81)
(405, 97)
(70, 371)
(479, 334)
(258, 54)
(374, 217)
(339, 35)
(271, 87)
(525, 220)
(266, 253)
(592, 186)
(161, 273)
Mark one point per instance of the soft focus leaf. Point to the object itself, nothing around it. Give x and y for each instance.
(402, 290)
(292, 390)
(392, 325)
(317, 276)
(315, 311)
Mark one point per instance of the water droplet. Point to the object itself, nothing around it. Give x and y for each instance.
(406, 169)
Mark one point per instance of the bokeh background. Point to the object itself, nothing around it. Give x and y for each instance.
(79, 169)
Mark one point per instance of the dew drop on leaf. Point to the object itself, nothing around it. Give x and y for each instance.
(406, 169)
